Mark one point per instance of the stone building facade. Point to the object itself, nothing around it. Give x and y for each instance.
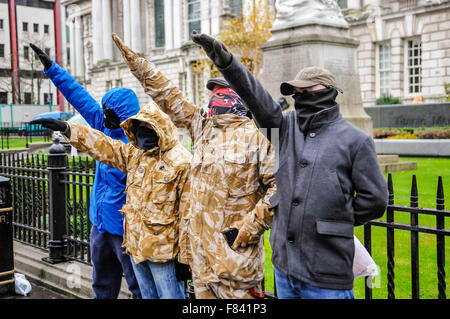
(157, 29)
(34, 23)
(404, 48)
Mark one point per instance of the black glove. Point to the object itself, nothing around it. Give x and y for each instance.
(215, 49)
(182, 271)
(55, 125)
(46, 61)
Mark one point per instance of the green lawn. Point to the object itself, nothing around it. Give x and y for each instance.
(427, 177)
(20, 142)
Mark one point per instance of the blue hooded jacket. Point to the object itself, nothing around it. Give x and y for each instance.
(107, 195)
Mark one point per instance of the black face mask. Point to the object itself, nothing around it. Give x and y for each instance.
(307, 104)
(111, 119)
(146, 138)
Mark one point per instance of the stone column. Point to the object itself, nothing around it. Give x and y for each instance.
(107, 30)
(127, 22)
(73, 53)
(168, 25)
(136, 40)
(79, 48)
(97, 39)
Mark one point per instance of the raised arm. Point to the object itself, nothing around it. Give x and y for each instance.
(266, 111)
(100, 147)
(159, 88)
(74, 93)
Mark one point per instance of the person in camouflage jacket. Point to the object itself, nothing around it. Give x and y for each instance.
(231, 183)
(156, 193)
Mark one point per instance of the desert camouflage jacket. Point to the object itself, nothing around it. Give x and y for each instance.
(231, 181)
(157, 192)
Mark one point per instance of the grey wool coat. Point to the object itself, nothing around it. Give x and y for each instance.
(328, 181)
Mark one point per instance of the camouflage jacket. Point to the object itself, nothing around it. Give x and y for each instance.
(231, 181)
(156, 190)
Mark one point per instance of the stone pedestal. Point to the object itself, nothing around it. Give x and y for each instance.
(292, 48)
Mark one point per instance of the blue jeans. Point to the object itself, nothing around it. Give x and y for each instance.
(291, 288)
(110, 263)
(158, 281)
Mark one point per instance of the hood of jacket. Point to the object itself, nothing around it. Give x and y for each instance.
(160, 121)
(123, 101)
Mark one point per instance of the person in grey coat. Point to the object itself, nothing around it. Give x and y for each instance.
(328, 179)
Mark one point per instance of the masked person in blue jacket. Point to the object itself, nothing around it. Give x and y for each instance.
(107, 197)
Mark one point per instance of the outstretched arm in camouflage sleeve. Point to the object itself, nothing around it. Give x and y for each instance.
(260, 218)
(102, 148)
(159, 88)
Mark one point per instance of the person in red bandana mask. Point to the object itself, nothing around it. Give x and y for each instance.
(224, 99)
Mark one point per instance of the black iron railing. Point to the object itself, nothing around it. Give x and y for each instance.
(22, 130)
(414, 228)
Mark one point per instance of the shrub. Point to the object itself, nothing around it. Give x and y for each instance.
(387, 99)
(384, 133)
(433, 134)
(403, 136)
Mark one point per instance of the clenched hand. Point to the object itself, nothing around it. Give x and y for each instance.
(215, 49)
(46, 61)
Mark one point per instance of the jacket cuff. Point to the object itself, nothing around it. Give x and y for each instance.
(50, 72)
(73, 129)
(231, 66)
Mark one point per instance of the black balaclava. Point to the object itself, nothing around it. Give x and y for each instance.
(307, 104)
(110, 118)
(146, 138)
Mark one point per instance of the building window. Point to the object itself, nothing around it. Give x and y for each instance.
(414, 70)
(160, 37)
(47, 51)
(2, 50)
(1, 24)
(194, 16)
(342, 4)
(35, 27)
(48, 98)
(68, 55)
(236, 7)
(119, 83)
(46, 28)
(109, 85)
(25, 26)
(384, 68)
(3, 97)
(27, 98)
(26, 52)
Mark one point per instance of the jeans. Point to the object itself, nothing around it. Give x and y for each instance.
(110, 263)
(158, 281)
(291, 288)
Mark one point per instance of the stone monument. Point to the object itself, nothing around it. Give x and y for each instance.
(314, 32)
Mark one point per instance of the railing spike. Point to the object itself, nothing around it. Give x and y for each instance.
(414, 192)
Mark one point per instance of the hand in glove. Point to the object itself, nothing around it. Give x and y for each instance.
(46, 61)
(244, 238)
(130, 57)
(215, 49)
(55, 125)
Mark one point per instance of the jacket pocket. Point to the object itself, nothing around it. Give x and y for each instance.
(164, 187)
(159, 237)
(243, 265)
(138, 176)
(334, 248)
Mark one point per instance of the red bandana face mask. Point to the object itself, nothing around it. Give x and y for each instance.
(225, 100)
